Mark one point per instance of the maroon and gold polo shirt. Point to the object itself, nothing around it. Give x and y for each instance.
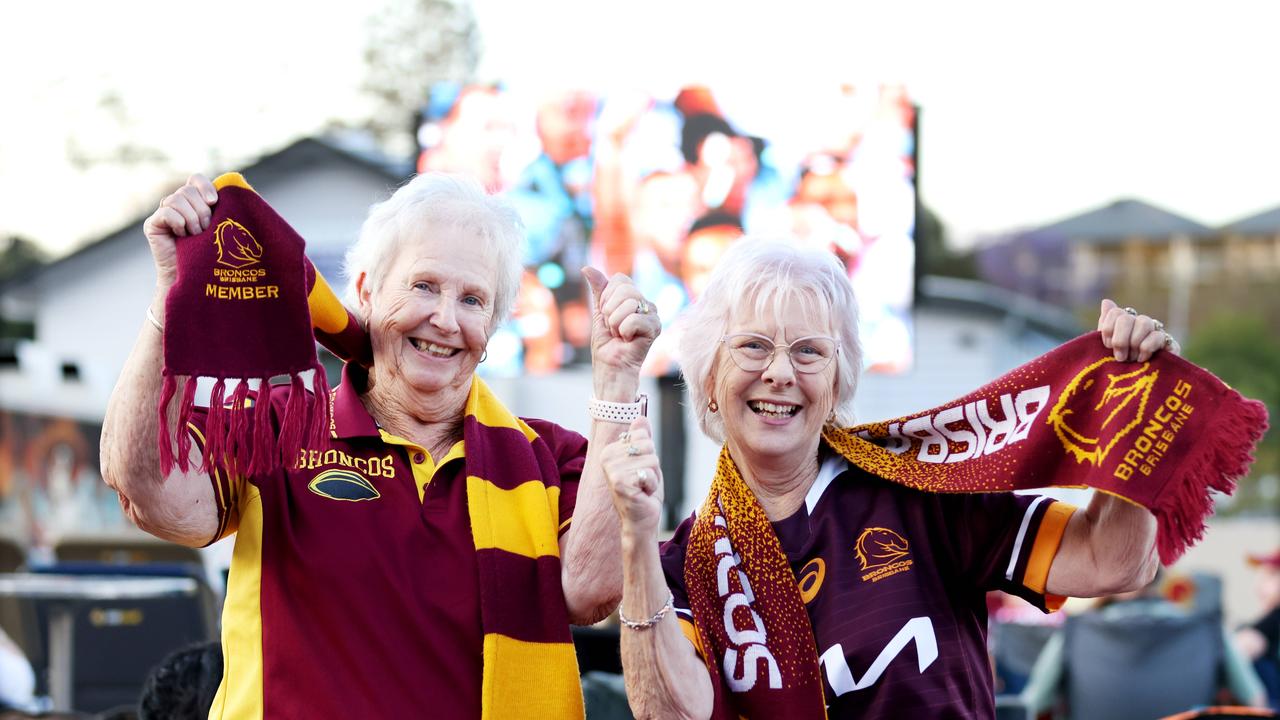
(353, 590)
(895, 581)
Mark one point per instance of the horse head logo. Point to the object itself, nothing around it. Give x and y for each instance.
(879, 546)
(1098, 408)
(237, 248)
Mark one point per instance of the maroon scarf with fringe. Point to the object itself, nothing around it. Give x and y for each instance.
(245, 306)
(1162, 434)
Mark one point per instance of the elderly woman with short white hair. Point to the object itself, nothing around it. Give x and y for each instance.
(889, 613)
(429, 560)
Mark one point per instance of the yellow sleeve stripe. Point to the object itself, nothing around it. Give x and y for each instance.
(513, 667)
(691, 633)
(1045, 549)
(523, 520)
(327, 312)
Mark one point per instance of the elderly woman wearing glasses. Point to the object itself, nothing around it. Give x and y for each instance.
(891, 580)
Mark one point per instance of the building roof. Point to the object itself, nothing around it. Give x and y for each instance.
(1123, 219)
(1266, 222)
(975, 296)
(263, 172)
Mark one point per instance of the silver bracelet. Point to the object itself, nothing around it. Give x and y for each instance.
(615, 412)
(646, 624)
(152, 317)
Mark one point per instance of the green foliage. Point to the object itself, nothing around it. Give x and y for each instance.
(18, 256)
(1245, 352)
(934, 253)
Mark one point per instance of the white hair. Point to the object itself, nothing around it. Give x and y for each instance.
(439, 201)
(768, 273)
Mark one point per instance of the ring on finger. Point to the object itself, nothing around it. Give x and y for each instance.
(1159, 325)
(642, 308)
(632, 451)
(1168, 341)
(625, 436)
(1131, 311)
(642, 475)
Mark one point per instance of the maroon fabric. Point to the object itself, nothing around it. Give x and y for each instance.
(239, 311)
(1163, 434)
(372, 608)
(954, 548)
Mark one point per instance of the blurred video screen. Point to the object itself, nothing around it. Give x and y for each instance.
(657, 185)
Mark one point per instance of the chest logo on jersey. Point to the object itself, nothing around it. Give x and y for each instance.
(811, 577)
(882, 553)
(343, 485)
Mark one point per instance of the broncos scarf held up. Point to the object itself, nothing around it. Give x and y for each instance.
(1162, 434)
(243, 310)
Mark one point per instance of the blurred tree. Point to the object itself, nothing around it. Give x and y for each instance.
(934, 252)
(413, 44)
(18, 256)
(1245, 352)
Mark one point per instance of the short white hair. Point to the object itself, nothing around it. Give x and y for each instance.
(769, 272)
(438, 200)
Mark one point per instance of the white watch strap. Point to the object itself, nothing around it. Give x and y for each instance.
(615, 412)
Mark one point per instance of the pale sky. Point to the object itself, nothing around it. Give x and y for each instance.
(1030, 112)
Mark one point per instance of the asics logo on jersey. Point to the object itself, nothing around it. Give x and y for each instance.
(811, 577)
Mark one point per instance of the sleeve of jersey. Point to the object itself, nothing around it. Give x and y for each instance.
(671, 555)
(1035, 544)
(1006, 541)
(570, 450)
(227, 490)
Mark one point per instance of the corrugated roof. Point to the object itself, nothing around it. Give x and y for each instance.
(1123, 219)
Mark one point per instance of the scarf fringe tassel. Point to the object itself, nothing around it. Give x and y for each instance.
(1183, 507)
(238, 432)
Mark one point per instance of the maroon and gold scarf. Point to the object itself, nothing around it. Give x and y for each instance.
(1162, 434)
(245, 306)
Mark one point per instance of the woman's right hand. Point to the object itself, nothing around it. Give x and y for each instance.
(631, 467)
(187, 211)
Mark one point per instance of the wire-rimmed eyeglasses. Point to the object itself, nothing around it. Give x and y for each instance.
(754, 353)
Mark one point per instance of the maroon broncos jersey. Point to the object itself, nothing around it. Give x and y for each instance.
(894, 581)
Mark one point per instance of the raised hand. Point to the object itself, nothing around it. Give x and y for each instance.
(186, 211)
(1131, 336)
(623, 323)
(635, 479)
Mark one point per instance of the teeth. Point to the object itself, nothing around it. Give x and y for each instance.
(434, 349)
(768, 408)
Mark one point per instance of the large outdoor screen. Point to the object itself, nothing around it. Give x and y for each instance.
(657, 185)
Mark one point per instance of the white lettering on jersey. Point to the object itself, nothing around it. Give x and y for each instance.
(841, 678)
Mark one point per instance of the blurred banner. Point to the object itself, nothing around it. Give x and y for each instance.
(49, 481)
(657, 185)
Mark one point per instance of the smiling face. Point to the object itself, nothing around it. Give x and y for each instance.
(773, 417)
(430, 317)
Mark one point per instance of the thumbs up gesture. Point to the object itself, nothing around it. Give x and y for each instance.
(623, 323)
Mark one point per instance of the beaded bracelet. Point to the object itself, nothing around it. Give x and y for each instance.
(646, 624)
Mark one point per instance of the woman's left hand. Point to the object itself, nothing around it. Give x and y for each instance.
(623, 323)
(1132, 336)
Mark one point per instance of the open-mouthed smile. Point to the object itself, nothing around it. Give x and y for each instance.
(433, 349)
(772, 410)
